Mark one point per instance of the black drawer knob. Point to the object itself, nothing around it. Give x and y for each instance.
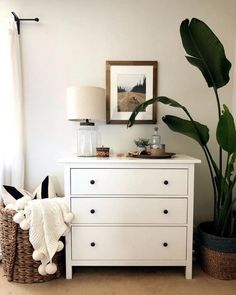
(165, 244)
(92, 181)
(166, 182)
(92, 244)
(165, 211)
(92, 211)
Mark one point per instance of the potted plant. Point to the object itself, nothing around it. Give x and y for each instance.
(141, 144)
(217, 237)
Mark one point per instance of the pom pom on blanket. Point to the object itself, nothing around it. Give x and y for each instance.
(22, 202)
(60, 246)
(18, 217)
(37, 255)
(69, 217)
(51, 268)
(24, 225)
(41, 270)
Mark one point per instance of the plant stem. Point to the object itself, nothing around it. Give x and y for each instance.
(233, 182)
(210, 163)
(224, 200)
(214, 186)
(217, 101)
(220, 148)
(227, 216)
(224, 179)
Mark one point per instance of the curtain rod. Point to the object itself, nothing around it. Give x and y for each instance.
(18, 20)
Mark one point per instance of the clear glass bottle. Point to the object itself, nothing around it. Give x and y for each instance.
(156, 139)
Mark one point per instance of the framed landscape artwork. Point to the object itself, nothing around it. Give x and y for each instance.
(129, 83)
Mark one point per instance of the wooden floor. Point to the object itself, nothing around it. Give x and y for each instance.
(124, 281)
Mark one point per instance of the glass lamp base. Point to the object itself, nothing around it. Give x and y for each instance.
(86, 141)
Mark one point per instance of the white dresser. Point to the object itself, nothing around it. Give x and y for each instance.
(130, 212)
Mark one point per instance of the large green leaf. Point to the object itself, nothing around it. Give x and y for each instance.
(170, 102)
(205, 52)
(195, 130)
(226, 133)
(142, 107)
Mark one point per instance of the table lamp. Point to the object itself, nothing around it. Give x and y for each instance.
(86, 104)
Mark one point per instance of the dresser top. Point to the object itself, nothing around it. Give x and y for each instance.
(178, 159)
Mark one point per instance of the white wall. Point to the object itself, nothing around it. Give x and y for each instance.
(70, 46)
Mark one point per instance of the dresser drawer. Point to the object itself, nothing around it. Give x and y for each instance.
(129, 181)
(128, 243)
(129, 210)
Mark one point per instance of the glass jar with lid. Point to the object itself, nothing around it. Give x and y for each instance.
(155, 142)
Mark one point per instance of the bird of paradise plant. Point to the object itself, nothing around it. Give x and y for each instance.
(205, 51)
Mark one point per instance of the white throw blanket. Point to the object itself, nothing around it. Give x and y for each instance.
(47, 220)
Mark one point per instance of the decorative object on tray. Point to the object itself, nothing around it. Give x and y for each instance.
(156, 148)
(129, 83)
(160, 151)
(152, 149)
(142, 145)
(102, 151)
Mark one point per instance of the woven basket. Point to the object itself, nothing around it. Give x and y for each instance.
(218, 264)
(217, 254)
(18, 264)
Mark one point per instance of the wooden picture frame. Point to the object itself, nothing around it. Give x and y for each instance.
(128, 83)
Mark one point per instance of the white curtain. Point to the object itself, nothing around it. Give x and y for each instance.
(11, 101)
(11, 118)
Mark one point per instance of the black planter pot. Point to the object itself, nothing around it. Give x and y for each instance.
(217, 254)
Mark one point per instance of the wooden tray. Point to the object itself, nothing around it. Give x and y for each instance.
(165, 156)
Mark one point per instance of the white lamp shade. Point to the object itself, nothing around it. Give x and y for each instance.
(86, 103)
